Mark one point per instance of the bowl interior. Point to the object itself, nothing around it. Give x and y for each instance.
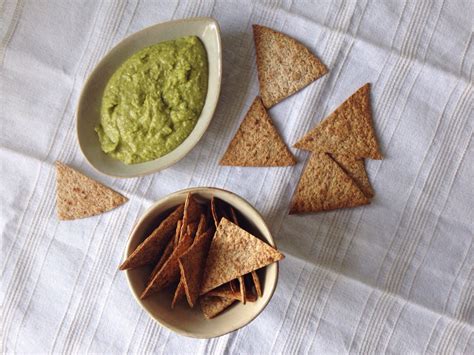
(88, 112)
(182, 319)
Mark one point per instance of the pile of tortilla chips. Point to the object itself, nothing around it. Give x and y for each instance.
(284, 67)
(335, 175)
(201, 252)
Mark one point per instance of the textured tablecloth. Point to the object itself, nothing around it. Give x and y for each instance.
(395, 276)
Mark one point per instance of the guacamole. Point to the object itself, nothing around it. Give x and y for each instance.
(153, 101)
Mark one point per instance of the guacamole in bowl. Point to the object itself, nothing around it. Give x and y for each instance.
(153, 101)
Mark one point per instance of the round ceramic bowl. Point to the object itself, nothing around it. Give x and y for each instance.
(183, 319)
(88, 111)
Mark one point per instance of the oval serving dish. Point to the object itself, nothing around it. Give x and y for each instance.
(88, 111)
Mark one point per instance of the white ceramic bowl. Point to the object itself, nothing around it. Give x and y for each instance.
(88, 111)
(183, 319)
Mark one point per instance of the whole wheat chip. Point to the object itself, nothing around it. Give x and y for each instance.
(212, 306)
(177, 232)
(149, 251)
(348, 130)
(256, 282)
(217, 210)
(257, 142)
(192, 212)
(255, 278)
(202, 226)
(325, 186)
(178, 294)
(166, 254)
(226, 291)
(284, 65)
(243, 290)
(169, 273)
(79, 196)
(233, 253)
(192, 264)
(355, 168)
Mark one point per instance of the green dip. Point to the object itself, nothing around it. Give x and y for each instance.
(153, 101)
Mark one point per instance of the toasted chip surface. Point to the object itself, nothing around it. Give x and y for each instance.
(212, 306)
(192, 264)
(284, 65)
(149, 251)
(257, 142)
(178, 293)
(79, 196)
(325, 186)
(355, 168)
(169, 273)
(233, 253)
(226, 291)
(192, 212)
(348, 130)
(166, 254)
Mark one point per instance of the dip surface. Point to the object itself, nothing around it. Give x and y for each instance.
(153, 101)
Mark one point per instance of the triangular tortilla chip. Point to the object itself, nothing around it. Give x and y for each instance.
(217, 210)
(166, 253)
(348, 130)
(79, 196)
(202, 226)
(256, 282)
(225, 291)
(149, 251)
(192, 212)
(284, 65)
(191, 265)
(257, 142)
(233, 253)
(179, 293)
(325, 186)
(169, 273)
(355, 168)
(212, 306)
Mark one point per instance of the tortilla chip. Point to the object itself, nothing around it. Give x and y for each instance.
(325, 186)
(169, 273)
(255, 278)
(284, 65)
(192, 212)
(212, 306)
(202, 226)
(149, 251)
(178, 294)
(226, 291)
(233, 253)
(256, 282)
(177, 234)
(166, 254)
(355, 168)
(242, 289)
(191, 265)
(257, 142)
(347, 131)
(217, 210)
(79, 196)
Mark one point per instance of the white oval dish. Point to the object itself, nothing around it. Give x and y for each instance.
(190, 321)
(88, 111)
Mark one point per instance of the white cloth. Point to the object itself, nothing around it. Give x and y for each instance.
(395, 276)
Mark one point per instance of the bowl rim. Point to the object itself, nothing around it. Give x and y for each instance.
(205, 127)
(197, 190)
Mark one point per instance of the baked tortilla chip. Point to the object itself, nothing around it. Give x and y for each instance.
(149, 251)
(191, 265)
(255, 279)
(325, 186)
(226, 291)
(166, 254)
(169, 273)
(355, 168)
(178, 294)
(233, 253)
(192, 212)
(79, 196)
(202, 225)
(284, 65)
(212, 306)
(217, 210)
(257, 142)
(347, 131)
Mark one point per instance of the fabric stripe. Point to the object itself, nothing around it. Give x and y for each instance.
(11, 29)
